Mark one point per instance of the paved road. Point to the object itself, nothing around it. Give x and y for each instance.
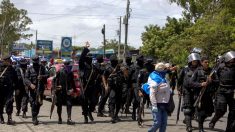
(102, 123)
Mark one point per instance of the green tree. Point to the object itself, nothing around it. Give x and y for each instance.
(13, 24)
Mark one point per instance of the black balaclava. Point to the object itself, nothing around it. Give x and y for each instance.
(35, 60)
(23, 63)
(113, 60)
(89, 59)
(140, 60)
(99, 59)
(149, 65)
(128, 60)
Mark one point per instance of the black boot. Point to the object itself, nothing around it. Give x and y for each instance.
(1, 120)
(24, 115)
(90, 117)
(100, 114)
(201, 129)
(189, 129)
(70, 122)
(60, 120)
(211, 125)
(133, 115)
(10, 121)
(17, 113)
(35, 121)
(85, 119)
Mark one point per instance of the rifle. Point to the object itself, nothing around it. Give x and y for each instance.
(178, 110)
(38, 96)
(26, 87)
(197, 103)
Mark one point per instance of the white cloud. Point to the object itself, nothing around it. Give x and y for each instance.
(83, 19)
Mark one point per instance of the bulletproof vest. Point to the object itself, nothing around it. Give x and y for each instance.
(7, 78)
(227, 77)
(188, 73)
(115, 80)
(201, 76)
(34, 71)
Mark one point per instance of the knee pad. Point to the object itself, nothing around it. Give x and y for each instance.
(187, 111)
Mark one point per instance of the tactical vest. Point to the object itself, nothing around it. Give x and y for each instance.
(227, 77)
(33, 75)
(201, 76)
(188, 73)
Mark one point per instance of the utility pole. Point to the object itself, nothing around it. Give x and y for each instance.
(119, 35)
(36, 39)
(103, 32)
(125, 21)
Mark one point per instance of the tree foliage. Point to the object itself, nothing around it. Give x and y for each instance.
(207, 24)
(13, 24)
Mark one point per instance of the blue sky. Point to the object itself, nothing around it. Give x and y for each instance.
(83, 19)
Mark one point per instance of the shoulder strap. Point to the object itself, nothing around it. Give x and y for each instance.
(4, 71)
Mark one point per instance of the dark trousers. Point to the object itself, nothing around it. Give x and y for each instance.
(103, 99)
(63, 97)
(115, 97)
(21, 98)
(6, 100)
(90, 100)
(205, 110)
(35, 105)
(221, 102)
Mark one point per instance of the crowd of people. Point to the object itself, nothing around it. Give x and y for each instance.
(122, 84)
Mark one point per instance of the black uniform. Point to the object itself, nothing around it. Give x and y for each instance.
(36, 95)
(206, 107)
(8, 81)
(21, 93)
(225, 96)
(65, 80)
(188, 94)
(127, 84)
(89, 75)
(143, 78)
(115, 81)
(136, 99)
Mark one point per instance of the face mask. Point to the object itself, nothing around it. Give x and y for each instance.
(114, 63)
(128, 61)
(100, 60)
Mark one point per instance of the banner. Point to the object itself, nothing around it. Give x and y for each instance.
(66, 46)
(44, 48)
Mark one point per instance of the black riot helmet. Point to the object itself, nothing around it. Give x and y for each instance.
(113, 60)
(229, 56)
(149, 64)
(128, 60)
(140, 60)
(99, 58)
(35, 59)
(23, 62)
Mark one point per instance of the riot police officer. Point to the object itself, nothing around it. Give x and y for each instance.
(21, 93)
(205, 106)
(188, 92)
(143, 97)
(89, 76)
(65, 85)
(127, 87)
(115, 81)
(138, 66)
(225, 93)
(8, 82)
(35, 79)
